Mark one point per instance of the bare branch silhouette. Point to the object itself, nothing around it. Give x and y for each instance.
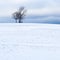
(19, 15)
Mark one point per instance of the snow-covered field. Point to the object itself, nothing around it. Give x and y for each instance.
(29, 41)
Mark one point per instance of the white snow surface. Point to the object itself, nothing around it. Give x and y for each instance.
(29, 41)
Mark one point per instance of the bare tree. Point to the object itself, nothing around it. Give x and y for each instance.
(19, 15)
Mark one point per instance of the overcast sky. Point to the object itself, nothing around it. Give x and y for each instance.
(38, 7)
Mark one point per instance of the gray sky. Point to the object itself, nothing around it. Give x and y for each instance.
(34, 7)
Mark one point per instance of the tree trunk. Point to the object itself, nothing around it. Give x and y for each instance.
(16, 21)
(19, 20)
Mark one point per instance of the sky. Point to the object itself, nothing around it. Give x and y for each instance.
(34, 7)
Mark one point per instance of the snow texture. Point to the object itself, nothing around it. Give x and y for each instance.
(29, 41)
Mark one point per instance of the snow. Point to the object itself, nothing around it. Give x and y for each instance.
(29, 41)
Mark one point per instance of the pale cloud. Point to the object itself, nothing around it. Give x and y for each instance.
(6, 12)
(18, 1)
(12, 1)
(38, 7)
(44, 11)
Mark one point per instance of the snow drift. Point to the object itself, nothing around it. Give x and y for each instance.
(29, 41)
